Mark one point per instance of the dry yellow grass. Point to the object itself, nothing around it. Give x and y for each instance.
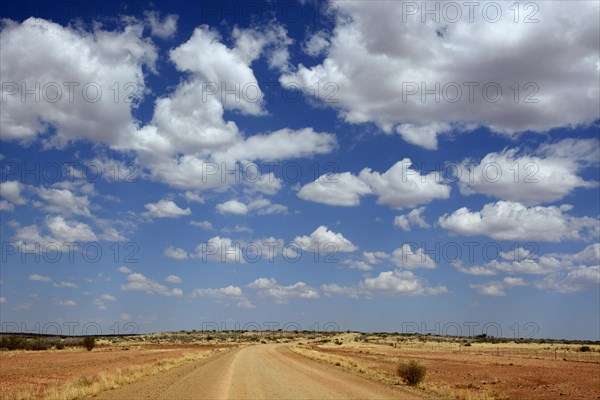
(353, 365)
(86, 386)
(372, 371)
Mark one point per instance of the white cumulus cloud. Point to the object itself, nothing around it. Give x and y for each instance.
(268, 287)
(165, 209)
(325, 240)
(506, 220)
(386, 81)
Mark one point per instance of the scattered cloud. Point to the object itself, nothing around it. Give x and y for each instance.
(40, 278)
(233, 293)
(547, 175)
(69, 230)
(399, 282)
(342, 189)
(497, 288)
(366, 262)
(232, 207)
(409, 258)
(137, 282)
(164, 29)
(173, 279)
(572, 281)
(193, 197)
(165, 209)
(68, 303)
(324, 240)
(506, 220)
(260, 205)
(207, 226)
(414, 217)
(64, 284)
(399, 187)
(12, 192)
(268, 287)
(333, 289)
(63, 202)
(317, 44)
(176, 253)
(100, 302)
(218, 249)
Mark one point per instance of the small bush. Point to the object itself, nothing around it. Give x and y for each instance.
(585, 349)
(89, 342)
(12, 342)
(412, 372)
(38, 344)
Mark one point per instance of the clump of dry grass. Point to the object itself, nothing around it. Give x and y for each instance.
(412, 372)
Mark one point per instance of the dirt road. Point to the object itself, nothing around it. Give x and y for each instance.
(257, 372)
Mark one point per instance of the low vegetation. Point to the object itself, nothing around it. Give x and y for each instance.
(38, 343)
(412, 372)
(89, 342)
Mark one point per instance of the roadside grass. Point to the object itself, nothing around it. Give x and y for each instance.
(85, 386)
(371, 370)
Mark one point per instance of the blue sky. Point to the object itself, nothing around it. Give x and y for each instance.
(353, 165)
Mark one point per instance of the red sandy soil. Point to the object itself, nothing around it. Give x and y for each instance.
(505, 376)
(42, 369)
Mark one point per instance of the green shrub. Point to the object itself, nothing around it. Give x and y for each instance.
(585, 348)
(89, 342)
(412, 372)
(38, 344)
(12, 342)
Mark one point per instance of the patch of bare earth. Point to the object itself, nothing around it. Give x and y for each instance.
(468, 374)
(33, 373)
